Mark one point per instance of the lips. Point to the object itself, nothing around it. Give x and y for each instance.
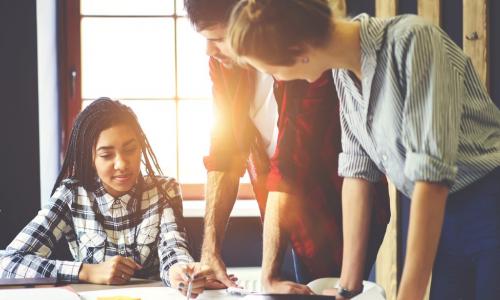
(122, 178)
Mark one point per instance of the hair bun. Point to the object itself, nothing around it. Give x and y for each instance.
(255, 8)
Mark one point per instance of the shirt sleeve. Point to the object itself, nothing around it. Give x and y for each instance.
(173, 245)
(224, 154)
(27, 255)
(354, 162)
(433, 105)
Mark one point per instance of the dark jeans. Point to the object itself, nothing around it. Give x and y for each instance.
(467, 264)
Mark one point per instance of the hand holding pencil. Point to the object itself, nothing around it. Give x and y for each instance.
(189, 279)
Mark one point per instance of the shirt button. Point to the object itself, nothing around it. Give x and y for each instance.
(384, 157)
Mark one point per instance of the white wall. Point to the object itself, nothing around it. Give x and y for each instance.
(48, 108)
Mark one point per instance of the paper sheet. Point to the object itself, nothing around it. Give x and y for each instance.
(47, 293)
(153, 293)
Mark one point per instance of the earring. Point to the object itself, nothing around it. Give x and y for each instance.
(305, 60)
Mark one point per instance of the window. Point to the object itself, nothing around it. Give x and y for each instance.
(146, 54)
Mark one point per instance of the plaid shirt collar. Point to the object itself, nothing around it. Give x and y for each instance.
(106, 200)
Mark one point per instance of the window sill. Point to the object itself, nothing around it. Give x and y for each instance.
(241, 209)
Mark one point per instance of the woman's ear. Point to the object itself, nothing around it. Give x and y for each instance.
(300, 53)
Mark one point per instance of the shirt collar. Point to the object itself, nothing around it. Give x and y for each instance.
(372, 33)
(106, 200)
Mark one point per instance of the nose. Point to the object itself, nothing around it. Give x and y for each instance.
(121, 162)
(212, 49)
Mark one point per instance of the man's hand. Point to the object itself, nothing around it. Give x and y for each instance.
(222, 279)
(181, 274)
(117, 270)
(287, 287)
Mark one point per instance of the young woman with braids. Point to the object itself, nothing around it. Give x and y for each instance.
(412, 107)
(119, 223)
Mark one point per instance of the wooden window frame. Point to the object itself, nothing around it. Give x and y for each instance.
(70, 103)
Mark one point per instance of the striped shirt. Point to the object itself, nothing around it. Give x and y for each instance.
(419, 112)
(144, 224)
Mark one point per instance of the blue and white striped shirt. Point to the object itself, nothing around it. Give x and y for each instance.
(419, 113)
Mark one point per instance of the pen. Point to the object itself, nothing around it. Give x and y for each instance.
(190, 288)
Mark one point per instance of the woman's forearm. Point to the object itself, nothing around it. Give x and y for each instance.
(357, 205)
(426, 220)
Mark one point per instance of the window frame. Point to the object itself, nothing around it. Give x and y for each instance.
(70, 89)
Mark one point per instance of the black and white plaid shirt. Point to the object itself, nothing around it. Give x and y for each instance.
(144, 225)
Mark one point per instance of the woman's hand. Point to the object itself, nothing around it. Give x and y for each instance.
(181, 274)
(117, 270)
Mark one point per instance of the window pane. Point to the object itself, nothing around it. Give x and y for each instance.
(194, 79)
(128, 58)
(157, 119)
(127, 7)
(180, 8)
(195, 122)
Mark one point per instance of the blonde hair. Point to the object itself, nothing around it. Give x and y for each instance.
(276, 31)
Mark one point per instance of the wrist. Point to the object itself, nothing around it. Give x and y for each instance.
(209, 255)
(346, 292)
(83, 275)
(350, 285)
(268, 280)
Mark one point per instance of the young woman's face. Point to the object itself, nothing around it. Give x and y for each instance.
(117, 159)
(299, 70)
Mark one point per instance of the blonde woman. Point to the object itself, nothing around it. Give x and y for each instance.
(412, 108)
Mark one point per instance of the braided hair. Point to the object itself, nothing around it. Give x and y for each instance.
(100, 115)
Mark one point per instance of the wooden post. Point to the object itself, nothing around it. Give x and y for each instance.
(431, 10)
(387, 268)
(386, 8)
(476, 39)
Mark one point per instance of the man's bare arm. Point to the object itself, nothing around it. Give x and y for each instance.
(279, 205)
(220, 195)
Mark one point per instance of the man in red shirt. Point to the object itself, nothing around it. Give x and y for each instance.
(293, 170)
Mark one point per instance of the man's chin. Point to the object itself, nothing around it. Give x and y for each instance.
(226, 62)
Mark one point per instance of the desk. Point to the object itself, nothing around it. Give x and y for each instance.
(140, 288)
(244, 274)
(150, 289)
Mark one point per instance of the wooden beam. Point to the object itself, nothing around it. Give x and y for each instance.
(386, 8)
(387, 269)
(476, 38)
(431, 10)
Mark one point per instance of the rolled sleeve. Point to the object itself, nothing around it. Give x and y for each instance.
(354, 162)
(358, 166)
(423, 167)
(433, 106)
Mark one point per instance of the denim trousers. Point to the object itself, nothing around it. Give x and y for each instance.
(467, 264)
